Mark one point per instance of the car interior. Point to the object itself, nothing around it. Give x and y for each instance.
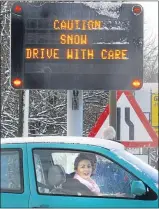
(57, 181)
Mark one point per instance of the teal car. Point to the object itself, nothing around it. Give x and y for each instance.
(37, 172)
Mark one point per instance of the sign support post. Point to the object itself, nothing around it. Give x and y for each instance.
(74, 113)
(113, 109)
(21, 113)
(26, 113)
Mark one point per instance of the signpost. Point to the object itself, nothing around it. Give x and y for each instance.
(77, 46)
(70, 45)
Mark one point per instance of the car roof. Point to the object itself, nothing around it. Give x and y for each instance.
(109, 144)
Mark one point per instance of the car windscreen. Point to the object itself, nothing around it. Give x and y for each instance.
(138, 164)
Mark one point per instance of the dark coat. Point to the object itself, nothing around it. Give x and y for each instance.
(75, 187)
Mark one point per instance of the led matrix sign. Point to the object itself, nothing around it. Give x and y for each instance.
(74, 54)
(75, 39)
(77, 46)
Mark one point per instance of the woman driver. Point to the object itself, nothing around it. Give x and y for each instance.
(83, 170)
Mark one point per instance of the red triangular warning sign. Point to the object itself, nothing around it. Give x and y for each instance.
(141, 126)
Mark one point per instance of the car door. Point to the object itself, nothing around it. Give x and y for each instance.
(46, 194)
(14, 176)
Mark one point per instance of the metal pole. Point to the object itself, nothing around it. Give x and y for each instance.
(21, 114)
(113, 109)
(26, 113)
(74, 113)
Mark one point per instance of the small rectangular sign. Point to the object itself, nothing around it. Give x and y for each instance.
(154, 110)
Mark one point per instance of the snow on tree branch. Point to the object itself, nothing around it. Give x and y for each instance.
(48, 109)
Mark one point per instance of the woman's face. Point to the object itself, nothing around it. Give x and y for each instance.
(84, 169)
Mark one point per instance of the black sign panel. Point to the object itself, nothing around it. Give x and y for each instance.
(76, 45)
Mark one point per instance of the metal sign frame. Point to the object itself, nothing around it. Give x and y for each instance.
(117, 53)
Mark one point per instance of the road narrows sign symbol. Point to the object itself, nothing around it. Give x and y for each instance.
(135, 129)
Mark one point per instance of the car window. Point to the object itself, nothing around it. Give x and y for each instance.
(104, 178)
(113, 179)
(138, 164)
(39, 173)
(66, 160)
(11, 171)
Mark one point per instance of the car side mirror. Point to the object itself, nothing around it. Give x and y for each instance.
(138, 188)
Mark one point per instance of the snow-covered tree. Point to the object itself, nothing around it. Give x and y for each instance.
(47, 115)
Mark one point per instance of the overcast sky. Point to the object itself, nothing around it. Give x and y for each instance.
(151, 16)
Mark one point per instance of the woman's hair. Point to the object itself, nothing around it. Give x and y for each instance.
(79, 158)
(85, 156)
